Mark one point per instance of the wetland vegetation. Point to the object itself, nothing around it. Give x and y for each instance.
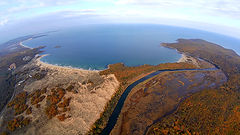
(176, 102)
(211, 111)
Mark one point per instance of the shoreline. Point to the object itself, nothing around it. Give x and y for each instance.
(183, 55)
(181, 59)
(39, 62)
(52, 66)
(21, 43)
(89, 95)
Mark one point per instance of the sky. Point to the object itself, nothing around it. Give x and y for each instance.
(220, 16)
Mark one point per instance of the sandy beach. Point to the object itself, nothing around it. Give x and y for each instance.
(59, 68)
(87, 102)
(21, 44)
(183, 58)
(88, 99)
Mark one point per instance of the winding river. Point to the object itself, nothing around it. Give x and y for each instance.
(117, 110)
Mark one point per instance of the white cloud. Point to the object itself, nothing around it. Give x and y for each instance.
(20, 9)
(213, 7)
(15, 6)
(216, 12)
(47, 2)
(24, 7)
(30, 4)
(83, 12)
(3, 22)
(2, 3)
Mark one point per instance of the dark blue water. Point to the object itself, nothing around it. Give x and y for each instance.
(96, 46)
(113, 118)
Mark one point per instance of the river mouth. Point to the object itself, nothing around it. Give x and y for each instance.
(115, 115)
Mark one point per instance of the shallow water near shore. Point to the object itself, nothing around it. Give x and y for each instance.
(96, 46)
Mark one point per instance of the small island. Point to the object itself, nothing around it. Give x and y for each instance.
(57, 46)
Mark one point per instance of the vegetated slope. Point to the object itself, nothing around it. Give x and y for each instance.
(12, 53)
(47, 99)
(127, 75)
(226, 59)
(213, 111)
(7, 77)
(56, 100)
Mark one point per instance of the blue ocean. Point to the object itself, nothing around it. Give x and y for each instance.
(96, 46)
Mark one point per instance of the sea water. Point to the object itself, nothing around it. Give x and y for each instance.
(96, 46)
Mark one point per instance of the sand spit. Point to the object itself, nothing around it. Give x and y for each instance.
(87, 101)
(186, 58)
(195, 61)
(21, 43)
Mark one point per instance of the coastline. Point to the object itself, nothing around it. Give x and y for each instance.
(183, 58)
(90, 95)
(183, 55)
(58, 67)
(21, 43)
(37, 59)
(52, 66)
(40, 62)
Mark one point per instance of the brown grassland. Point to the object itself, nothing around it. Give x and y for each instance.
(126, 76)
(159, 96)
(212, 111)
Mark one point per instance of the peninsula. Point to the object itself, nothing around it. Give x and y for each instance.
(168, 98)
